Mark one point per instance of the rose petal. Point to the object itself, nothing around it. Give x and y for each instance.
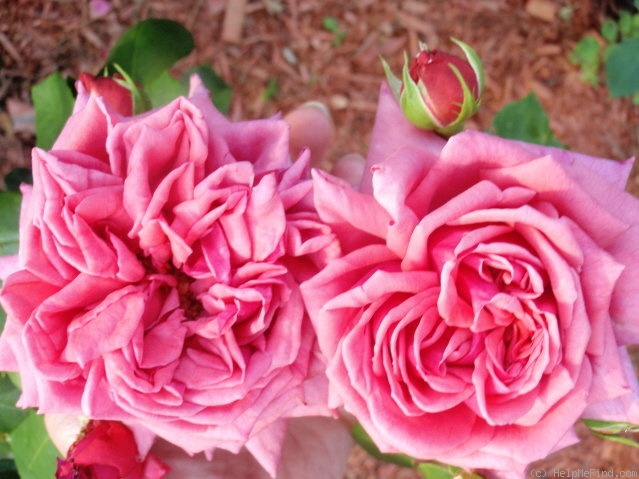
(363, 214)
(391, 131)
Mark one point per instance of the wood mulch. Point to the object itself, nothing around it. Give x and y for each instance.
(277, 54)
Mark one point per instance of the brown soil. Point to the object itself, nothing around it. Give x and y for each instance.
(524, 45)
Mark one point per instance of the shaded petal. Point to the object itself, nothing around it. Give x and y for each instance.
(392, 131)
(354, 216)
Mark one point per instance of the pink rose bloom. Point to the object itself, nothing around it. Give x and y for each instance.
(485, 295)
(107, 450)
(160, 262)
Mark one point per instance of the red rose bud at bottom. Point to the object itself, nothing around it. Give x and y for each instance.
(439, 91)
(107, 450)
(116, 95)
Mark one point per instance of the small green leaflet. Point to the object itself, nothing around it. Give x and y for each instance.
(622, 68)
(10, 415)
(363, 439)
(141, 102)
(429, 470)
(16, 177)
(525, 120)
(221, 92)
(53, 103)
(3, 319)
(166, 88)
(612, 430)
(8, 469)
(587, 55)
(9, 226)
(34, 453)
(436, 470)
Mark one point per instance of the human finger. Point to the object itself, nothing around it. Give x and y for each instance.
(350, 168)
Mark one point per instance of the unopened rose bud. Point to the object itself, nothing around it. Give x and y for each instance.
(439, 91)
(115, 94)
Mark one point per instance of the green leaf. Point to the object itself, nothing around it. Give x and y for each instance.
(221, 92)
(53, 104)
(16, 177)
(9, 226)
(635, 25)
(610, 427)
(164, 89)
(525, 120)
(34, 453)
(605, 54)
(622, 68)
(8, 469)
(149, 48)
(15, 379)
(363, 439)
(587, 55)
(10, 415)
(271, 89)
(626, 24)
(436, 470)
(141, 102)
(585, 51)
(626, 441)
(339, 38)
(5, 449)
(330, 23)
(610, 30)
(612, 430)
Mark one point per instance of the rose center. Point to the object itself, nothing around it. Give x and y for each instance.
(189, 303)
(188, 300)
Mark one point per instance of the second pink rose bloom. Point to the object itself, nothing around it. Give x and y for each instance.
(486, 294)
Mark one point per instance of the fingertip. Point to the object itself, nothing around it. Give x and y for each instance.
(350, 168)
(317, 105)
(312, 128)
